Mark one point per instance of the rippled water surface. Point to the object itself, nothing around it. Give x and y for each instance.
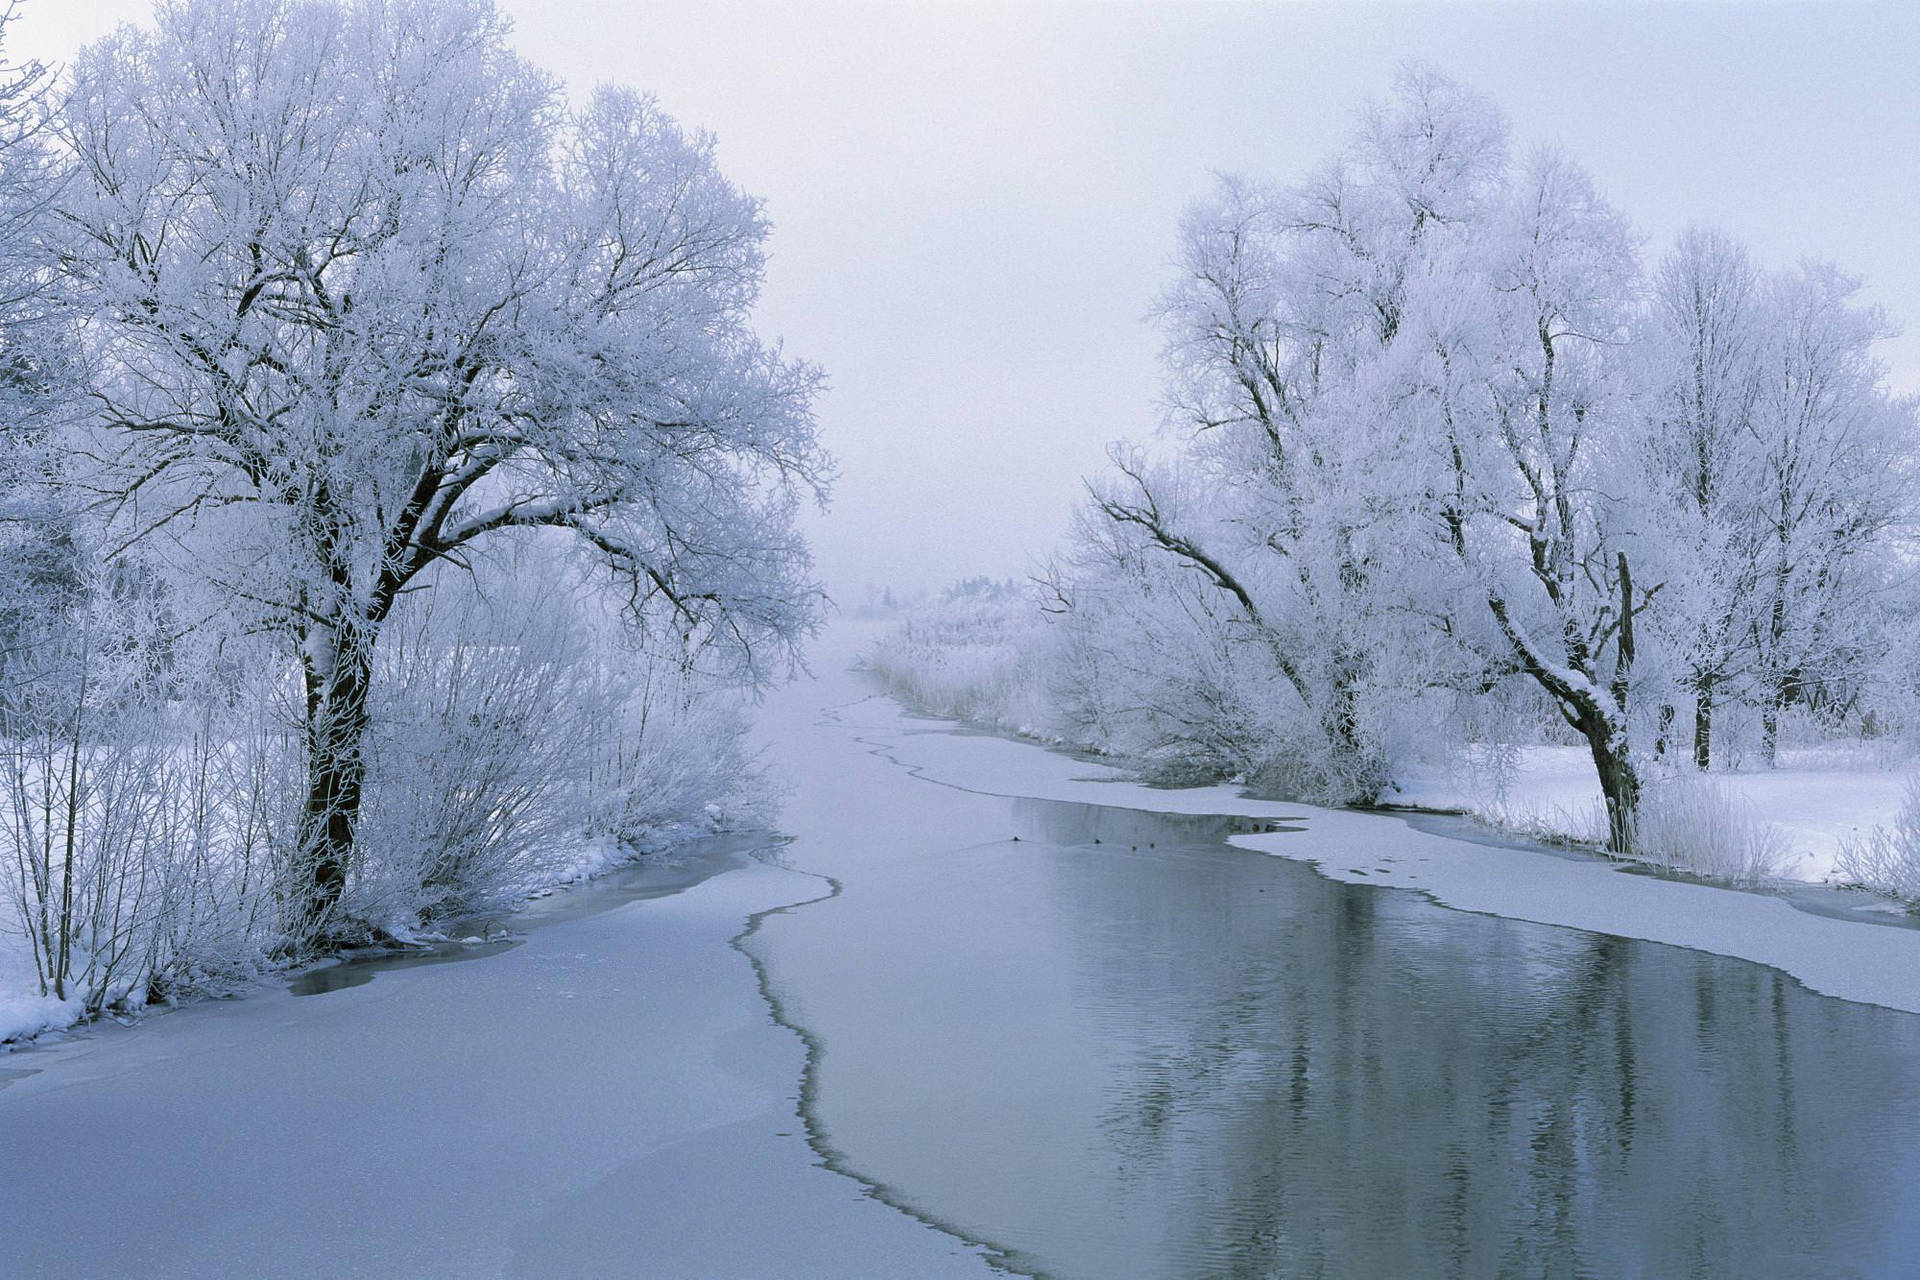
(1115, 1047)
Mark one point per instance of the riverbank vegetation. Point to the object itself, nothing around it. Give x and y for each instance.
(395, 502)
(1456, 468)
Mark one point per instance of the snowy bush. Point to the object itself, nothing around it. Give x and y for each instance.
(1887, 858)
(228, 823)
(474, 750)
(670, 755)
(1159, 677)
(1546, 822)
(972, 655)
(1685, 823)
(138, 832)
(1695, 824)
(84, 844)
(510, 729)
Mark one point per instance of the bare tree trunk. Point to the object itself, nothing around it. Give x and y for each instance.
(1619, 785)
(1359, 771)
(77, 730)
(1586, 711)
(336, 773)
(1774, 697)
(1606, 735)
(1600, 718)
(1703, 691)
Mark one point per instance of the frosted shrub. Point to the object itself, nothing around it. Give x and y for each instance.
(138, 836)
(227, 828)
(83, 844)
(1695, 824)
(512, 737)
(1887, 859)
(148, 827)
(674, 758)
(1161, 681)
(971, 656)
(1557, 824)
(1166, 681)
(477, 735)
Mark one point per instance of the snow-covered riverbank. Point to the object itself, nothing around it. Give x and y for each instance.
(25, 1013)
(1819, 798)
(1852, 959)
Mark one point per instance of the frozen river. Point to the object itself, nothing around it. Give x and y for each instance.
(943, 1031)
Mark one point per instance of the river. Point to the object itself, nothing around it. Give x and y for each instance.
(1109, 1045)
(940, 1032)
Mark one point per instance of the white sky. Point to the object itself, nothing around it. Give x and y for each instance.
(974, 203)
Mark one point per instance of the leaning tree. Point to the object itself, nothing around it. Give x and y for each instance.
(366, 294)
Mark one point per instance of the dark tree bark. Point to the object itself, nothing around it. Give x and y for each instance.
(336, 732)
(1703, 695)
(1599, 716)
(1363, 770)
(1619, 782)
(1619, 785)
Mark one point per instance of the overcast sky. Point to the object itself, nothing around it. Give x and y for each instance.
(974, 204)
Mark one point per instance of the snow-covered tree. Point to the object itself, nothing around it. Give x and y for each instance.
(1779, 465)
(1833, 457)
(1404, 381)
(1701, 346)
(1442, 451)
(1534, 430)
(367, 295)
(37, 569)
(1287, 303)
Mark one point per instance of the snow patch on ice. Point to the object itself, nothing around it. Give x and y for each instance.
(1870, 963)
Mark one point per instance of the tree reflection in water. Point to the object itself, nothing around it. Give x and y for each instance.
(1353, 1081)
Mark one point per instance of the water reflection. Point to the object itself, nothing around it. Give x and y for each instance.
(1156, 1056)
(1371, 1085)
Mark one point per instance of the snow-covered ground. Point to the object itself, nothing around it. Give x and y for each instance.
(25, 1013)
(609, 1098)
(1845, 958)
(1817, 799)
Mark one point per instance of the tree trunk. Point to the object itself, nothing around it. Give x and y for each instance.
(1582, 708)
(1360, 772)
(1619, 784)
(1703, 721)
(1775, 696)
(1606, 735)
(336, 772)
